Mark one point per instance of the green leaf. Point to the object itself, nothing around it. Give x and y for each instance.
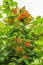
(0, 8)
(13, 3)
(1, 24)
(13, 63)
(14, 59)
(38, 30)
(4, 5)
(39, 42)
(20, 60)
(6, 30)
(1, 15)
(38, 17)
(11, 0)
(26, 62)
(42, 21)
(5, 0)
(6, 11)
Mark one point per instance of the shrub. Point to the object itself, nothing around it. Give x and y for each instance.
(21, 36)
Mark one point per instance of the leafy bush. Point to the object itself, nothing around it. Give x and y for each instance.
(21, 36)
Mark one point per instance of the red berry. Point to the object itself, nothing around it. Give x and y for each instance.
(14, 11)
(27, 44)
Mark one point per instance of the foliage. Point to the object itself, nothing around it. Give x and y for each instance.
(21, 36)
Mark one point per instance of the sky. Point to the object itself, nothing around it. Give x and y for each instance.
(35, 7)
